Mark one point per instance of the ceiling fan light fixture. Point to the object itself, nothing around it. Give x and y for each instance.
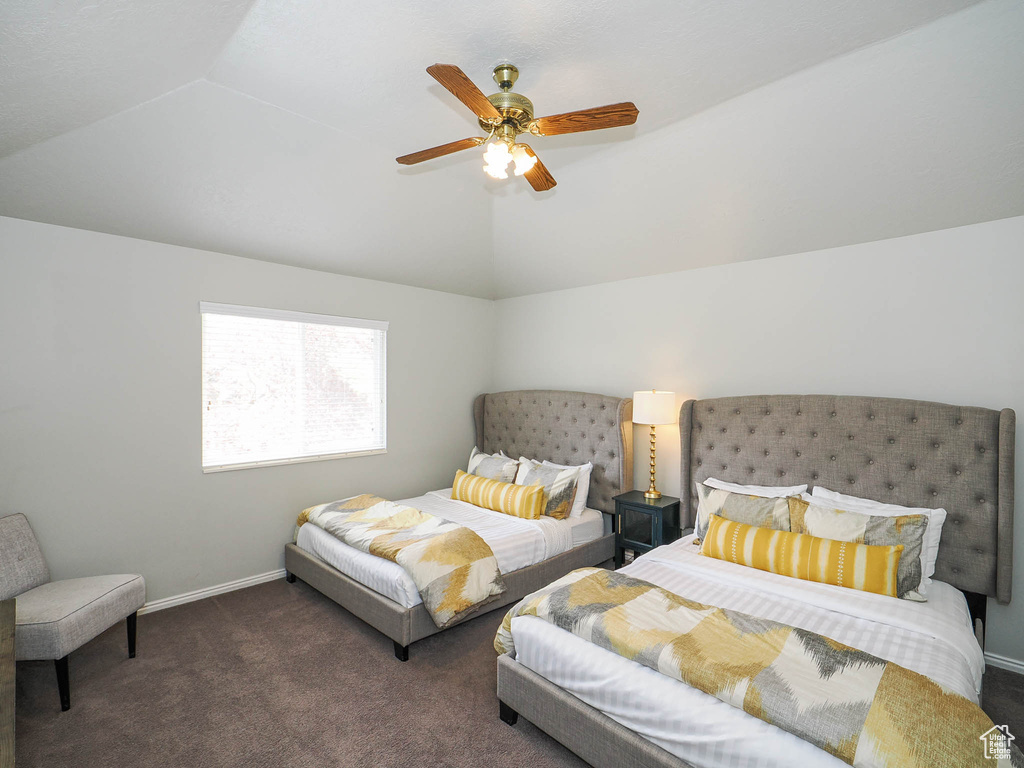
(523, 159)
(495, 171)
(496, 159)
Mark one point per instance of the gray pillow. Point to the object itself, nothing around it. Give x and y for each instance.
(492, 466)
(827, 521)
(759, 511)
(559, 485)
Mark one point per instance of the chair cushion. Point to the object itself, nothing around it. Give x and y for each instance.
(56, 618)
(21, 562)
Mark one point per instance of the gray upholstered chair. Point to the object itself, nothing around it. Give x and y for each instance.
(57, 617)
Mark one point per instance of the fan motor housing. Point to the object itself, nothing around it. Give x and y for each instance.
(516, 110)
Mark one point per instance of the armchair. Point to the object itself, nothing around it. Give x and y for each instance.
(55, 618)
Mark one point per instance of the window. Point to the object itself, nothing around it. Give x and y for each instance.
(282, 387)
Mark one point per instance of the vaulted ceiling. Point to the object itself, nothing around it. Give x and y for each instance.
(269, 129)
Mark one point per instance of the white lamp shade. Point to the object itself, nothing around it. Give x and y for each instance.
(654, 407)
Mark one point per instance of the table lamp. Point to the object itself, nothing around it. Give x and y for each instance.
(654, 407)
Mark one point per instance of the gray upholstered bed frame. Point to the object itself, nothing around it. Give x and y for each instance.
(905, 452)
(563, 427)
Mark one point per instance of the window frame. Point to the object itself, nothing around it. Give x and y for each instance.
(240, 310)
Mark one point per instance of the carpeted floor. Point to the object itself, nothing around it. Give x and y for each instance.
(1003, 698)
(276, 676)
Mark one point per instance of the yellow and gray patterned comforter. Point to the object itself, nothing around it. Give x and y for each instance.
(864, 710)
(452, 567)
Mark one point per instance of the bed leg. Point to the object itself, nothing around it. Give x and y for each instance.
(289, 577)
(401, 651)
(507, 714)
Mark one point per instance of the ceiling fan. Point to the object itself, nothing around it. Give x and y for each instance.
(507, 114)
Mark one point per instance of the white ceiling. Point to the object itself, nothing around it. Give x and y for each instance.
(269, 130)
(67, 64)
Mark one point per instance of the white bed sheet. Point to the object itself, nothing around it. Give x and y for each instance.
(516, 543)
(586, 528)
(932, 638)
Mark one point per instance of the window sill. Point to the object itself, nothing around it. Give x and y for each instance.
(300, 460)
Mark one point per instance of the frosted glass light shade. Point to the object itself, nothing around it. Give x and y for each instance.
(497, 156)
(653, 406)
(495, 171)
(523, 159)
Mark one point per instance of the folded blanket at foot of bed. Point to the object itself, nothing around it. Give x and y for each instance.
(452, 567)
(864, 710)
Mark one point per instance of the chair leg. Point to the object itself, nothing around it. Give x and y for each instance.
(401, 651)
(63, 683)
(131, 634)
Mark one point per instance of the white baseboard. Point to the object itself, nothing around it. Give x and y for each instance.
(1005, 662)
(217, 589)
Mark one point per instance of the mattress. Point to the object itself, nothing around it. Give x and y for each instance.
(516, 543)
(586, 528)
(933, 639)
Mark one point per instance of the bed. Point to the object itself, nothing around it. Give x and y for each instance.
(905, 452)
(552, 425)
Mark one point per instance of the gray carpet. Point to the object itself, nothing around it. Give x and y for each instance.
(277, 676)
(269, 677)
(1003, 699)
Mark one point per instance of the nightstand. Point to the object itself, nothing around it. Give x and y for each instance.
(641, 524)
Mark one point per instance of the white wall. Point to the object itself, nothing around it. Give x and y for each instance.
(100, 403)
(936, 316)
(100, 380)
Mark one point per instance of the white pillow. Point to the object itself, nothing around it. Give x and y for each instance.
(582, 484)
(766, 491)
(932, 535)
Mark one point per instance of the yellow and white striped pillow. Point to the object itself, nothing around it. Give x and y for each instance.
(843, 563)
(526, 501)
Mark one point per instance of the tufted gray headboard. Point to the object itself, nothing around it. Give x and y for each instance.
(907, 452)
(566, 428)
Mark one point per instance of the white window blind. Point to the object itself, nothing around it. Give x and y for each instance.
(281, 387)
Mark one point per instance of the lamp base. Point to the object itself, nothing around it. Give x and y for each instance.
(652, 491)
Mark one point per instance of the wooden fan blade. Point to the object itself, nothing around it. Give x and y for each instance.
(612, 116)
(444, 149)
(539, 176)
(463, 89)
